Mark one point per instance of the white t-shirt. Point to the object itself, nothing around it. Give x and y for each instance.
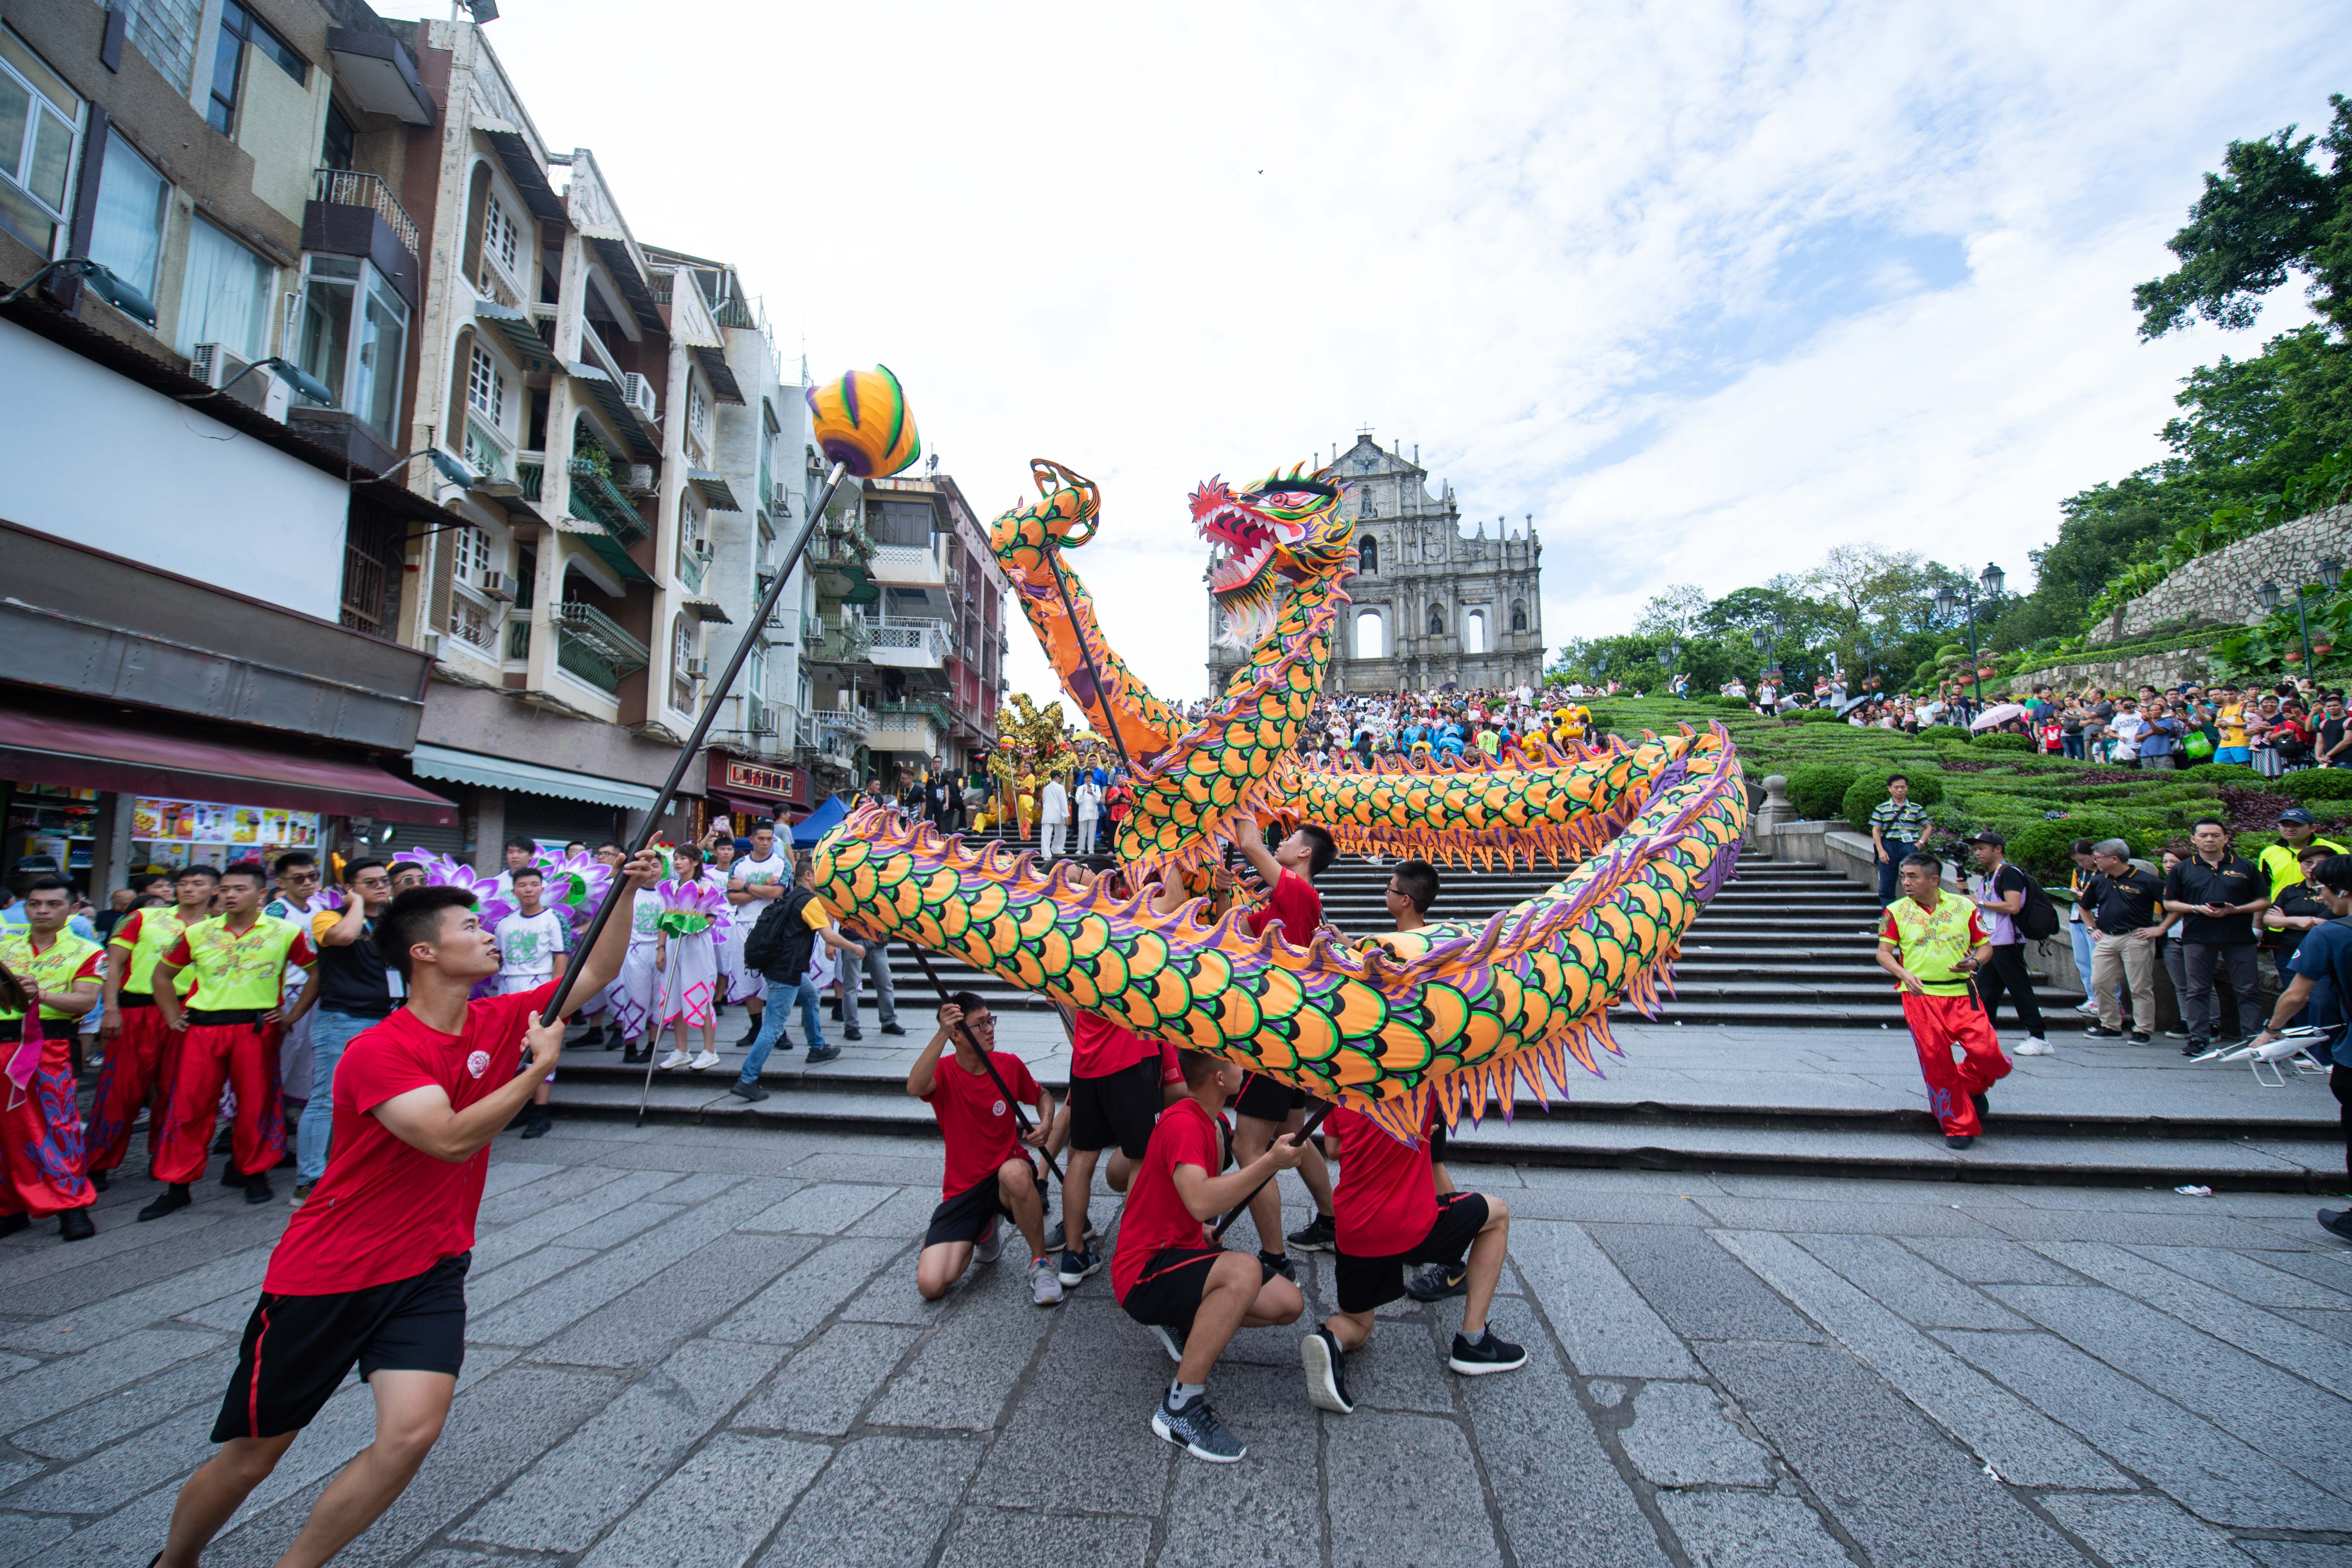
(643, 914)
(528, 943)
(759, 873)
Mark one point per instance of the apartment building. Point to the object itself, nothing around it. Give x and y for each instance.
(936, 640)
(199, 551)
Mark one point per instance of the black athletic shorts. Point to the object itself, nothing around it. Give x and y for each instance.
(1365, 1283)
(1437, 1144)
(967, 1215)
(1170, 1289)
(1268, 1099)
(1116, 1108)
(298, 1348)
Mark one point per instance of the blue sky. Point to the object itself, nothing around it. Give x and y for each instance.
(1708, 289)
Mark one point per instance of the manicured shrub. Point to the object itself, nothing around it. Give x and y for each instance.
(1818, 790)
(2316, 784)
(2002, 743)
(1937, 733)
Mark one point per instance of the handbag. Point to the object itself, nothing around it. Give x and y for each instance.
(2197, 746)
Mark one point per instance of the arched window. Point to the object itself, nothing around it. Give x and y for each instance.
(1519, 614)
(1372, 635)
(1368, 557)
(1473, 631)
(1437, 620)
(681, 652)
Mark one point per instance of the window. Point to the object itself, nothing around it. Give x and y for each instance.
(165, 32)
(502, 243)
(681, 652)
(1436, 620)
(1372, 637)
(226, 299)
(697, 412)
(1473, 632)
(128, 236)
(347, 302)
(755, 671)
(40, 125)
(486, 389)
(473, 555)
(237, 30)
(1368, 557)
(341, 143)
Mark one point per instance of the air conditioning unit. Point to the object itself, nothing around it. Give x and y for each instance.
(698, 668)
(213, 365)
(638, 394)
(497, 584)
(216, 367)
(637, 477)
(763, 718)
(780, 501)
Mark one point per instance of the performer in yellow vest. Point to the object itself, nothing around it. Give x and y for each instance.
(1933, 944)
(137, 1044)
(41, 1169)
(228, 1032)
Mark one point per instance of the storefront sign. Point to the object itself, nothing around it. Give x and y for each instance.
(734, 776)
(206, 822)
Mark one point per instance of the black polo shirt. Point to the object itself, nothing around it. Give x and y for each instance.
(2123, 904)
(2236, 881)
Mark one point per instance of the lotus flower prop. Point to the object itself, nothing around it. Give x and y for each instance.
(689, 909)
(442, 871)
(574, 884)
(327, 899)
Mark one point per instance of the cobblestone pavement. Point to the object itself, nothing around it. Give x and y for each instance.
(703, 1346)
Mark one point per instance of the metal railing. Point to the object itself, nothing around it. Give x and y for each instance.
(938, 715)
(530, 473)
(350, 188)
(595, 647)
(595, 499)
(912, 635)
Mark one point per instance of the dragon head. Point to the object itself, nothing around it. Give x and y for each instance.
(1284, 531)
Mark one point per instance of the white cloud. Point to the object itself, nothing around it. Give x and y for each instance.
(1666, 277)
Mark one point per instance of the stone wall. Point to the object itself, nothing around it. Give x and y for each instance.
(2157, 669)
(2218, 589)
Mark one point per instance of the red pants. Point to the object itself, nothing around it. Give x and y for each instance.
(1937, 1023)
(40, 1137)
(245, 1055)
(134, 1068)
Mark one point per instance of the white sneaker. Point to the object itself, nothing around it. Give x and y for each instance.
(2034, 1046)
(674, 1060)
(707, 1059)
(2088, 1009)
(988, 1247)
(1044, 1282)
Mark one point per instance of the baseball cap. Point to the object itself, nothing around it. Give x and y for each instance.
(2297, 815)
(1988, 836)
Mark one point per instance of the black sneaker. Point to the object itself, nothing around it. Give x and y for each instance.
(73, 1224)
(2100, 1032)
(1197, 1431)
(2139, 1036)
(227, 1141)
(2338, 1223)
(173, 1199)
(853, 1033)
(258, 1190)
(540, 1121)
(1490, 1352)
(2193, 1049)
(1077, 1265)
(10, 1223)
(750, 1037)
(1316, 1236)
(1327, 1373)
(101, 1180)
(892, 1029)
(1959, 1141)
(593, 1039)
(231, 1177)
(823, 1054)
(1274, 1263)
(750, 1092)
(1438, 1281)
(1984, 1106)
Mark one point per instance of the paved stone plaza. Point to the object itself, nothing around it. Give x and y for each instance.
(703, 1346)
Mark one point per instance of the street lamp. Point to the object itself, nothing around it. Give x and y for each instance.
(102, 281)
(2331, 572)
(1947, 602)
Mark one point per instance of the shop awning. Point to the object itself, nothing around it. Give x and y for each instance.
(432, 761)
(86, 754)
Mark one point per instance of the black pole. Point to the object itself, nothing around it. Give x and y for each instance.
(1300, 1137)
(1976, 665)
(694, 743)
(2304, 625)
(923, 960)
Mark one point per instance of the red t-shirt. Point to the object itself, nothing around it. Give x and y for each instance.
(1295, 902)
(386, 1210)
(1155, 1216)
(981, 1130)
(1387, 1198)
(1100, 1047)
(1171, 1069)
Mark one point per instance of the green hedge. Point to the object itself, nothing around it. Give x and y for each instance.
(2004, 744)
(1936, 734)
(1818, 790)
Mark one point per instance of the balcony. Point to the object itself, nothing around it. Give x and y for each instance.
(911, 566)
(837, 735)
(908, 727)
(352, 214)
(530, 473)
(595, 499)
(350, 188)
(849, 641)
(595, 647)
(908, 643)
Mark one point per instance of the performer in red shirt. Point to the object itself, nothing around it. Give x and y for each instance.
(987, 1175)
(372, 1268)
(1269, 1109)
(1171, 1278)
(1389, 1214)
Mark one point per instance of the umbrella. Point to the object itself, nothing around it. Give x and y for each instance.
(1851, 704)
(818, 823)
(1999, 713)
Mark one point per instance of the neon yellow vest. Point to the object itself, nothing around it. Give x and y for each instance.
(53, 970)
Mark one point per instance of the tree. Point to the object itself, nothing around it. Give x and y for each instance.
(1680, 612)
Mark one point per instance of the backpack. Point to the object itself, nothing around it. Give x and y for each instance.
(2037, 918)
(781, 942)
